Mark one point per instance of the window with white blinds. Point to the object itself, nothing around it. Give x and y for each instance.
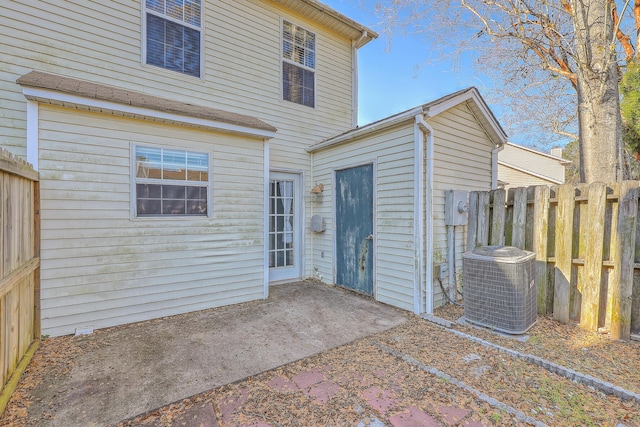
(171, 182)
(298, 65)
(173, 35)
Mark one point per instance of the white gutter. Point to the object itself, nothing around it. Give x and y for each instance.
(364, 130)
(355, 45)
(423, 218)
(45, 95)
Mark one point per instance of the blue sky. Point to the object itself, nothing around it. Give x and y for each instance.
(396, 78)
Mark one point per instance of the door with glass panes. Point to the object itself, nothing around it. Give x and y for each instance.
(284, 226)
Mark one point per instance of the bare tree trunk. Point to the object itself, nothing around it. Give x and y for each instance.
(600, 136)
(598, 98)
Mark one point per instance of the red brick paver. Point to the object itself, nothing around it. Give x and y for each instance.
(380, 400)
(414, 418)
(453, 416)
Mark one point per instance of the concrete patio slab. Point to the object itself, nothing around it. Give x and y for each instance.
(135, 368)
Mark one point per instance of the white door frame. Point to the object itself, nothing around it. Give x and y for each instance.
(294, 272)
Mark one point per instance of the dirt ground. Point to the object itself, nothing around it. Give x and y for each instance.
(417, 373)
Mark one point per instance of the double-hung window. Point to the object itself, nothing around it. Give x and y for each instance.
(171, 182)
(173, 35)
(298, 65)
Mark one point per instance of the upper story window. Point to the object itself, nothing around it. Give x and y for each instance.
(173, 35)
(171, 182)
(298, 65)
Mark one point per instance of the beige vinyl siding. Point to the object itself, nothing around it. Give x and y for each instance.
(525, 167)
(462, 161)
(102, 43)
(242, 61)
(517, 178)
(533, 161)
(391, 151)
(102, 268)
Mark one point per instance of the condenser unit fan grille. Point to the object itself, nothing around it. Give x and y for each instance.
(499, 288)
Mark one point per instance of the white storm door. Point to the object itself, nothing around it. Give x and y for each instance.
(285, 226)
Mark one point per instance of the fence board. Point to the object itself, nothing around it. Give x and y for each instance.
(540, 244)
(482, 238)
(563, 239)
(518, 232)
(19, 269)
(621, 286)
(590, 304)
(4, 350)
(472, 221)
(580, 225)
(498, 217)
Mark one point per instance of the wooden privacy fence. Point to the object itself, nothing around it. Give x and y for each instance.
(587, 246)
(19, 270)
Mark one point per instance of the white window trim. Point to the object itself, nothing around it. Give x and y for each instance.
(134, 180)
(143, 44)
(283, 59)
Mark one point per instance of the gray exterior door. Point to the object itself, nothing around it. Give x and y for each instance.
(354, 228)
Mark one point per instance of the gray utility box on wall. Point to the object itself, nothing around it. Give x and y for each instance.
(499, 288)
(456, 207)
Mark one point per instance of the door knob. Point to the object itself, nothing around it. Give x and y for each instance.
(369, 237)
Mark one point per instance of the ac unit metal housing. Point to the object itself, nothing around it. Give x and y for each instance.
(499, 288)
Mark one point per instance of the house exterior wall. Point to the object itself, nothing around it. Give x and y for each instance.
(517, 178)
(462, 161)
(99, 266)
(392, 153)
(540, 166)
(102, 42)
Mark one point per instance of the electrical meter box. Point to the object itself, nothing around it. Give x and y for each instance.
(456, 207)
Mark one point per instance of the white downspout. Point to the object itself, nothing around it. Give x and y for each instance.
(423, 218)
(266, 172)
(494, 166)
(355, 45)
(32, 133)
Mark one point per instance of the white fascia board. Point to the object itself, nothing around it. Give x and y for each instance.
(528, 172)
(365, 130)
(69, 99)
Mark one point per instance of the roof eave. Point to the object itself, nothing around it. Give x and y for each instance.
(330, 18)
(479, 107)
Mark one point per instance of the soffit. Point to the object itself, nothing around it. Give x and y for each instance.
(330, 18)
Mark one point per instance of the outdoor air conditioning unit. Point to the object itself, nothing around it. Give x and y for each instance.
(499, 288)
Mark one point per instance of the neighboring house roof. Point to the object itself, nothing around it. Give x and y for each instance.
(324, 15)
(471, 95)
(532, 163)
(176, 111)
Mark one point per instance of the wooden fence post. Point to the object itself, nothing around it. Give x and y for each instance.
(621, 287)
(590, 306)
(540, 243)
(563, 240)
(498, 217)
